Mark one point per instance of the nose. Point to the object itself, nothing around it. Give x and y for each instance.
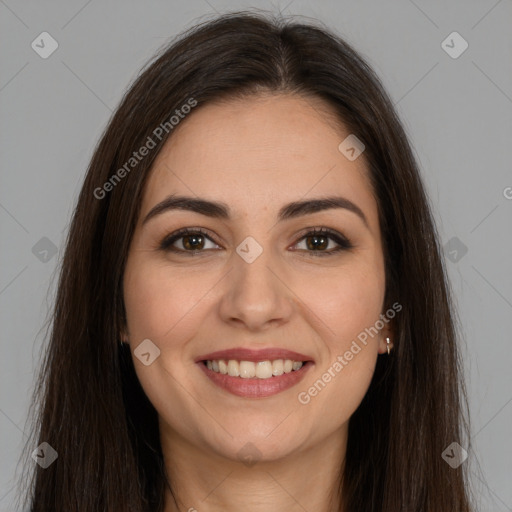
(256, 297)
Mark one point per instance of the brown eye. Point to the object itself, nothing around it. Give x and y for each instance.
(318, 240)
(191, 240)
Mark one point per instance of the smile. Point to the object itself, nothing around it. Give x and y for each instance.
(255, 374)
(250, 369)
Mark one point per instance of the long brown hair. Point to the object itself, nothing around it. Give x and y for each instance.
(91, 407)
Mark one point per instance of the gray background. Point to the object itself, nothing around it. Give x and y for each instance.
(457, 113)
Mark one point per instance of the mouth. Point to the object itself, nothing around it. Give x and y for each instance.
(255, 374)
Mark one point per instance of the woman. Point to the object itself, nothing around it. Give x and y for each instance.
(252, 309)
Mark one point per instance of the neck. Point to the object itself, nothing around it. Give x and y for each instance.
(204, 481)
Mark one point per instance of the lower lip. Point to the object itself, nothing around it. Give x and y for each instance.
(256, 388)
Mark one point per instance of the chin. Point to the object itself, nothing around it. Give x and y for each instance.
(263, 441)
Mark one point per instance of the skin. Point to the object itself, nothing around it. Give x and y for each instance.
(255, 155)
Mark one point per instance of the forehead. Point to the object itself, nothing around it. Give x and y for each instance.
(259, 153)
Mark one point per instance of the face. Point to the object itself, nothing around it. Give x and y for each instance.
(254, 286)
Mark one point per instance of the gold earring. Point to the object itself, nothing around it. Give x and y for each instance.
(387, 345)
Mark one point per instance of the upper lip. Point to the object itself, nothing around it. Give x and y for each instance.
(247, 354)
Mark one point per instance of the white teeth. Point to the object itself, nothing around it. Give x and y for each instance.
(263, 369)
(250, 369)
(247, 369)
(223, 367)
(233, 368)
(278, 367)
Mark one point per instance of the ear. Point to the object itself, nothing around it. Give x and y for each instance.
(123, 333)
(122, 325)
(388, 331)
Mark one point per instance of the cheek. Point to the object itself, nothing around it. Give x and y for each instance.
(336, 401)
(160, 302)
(347, 301)
(351, 309)
(360, 303)
(162, 305)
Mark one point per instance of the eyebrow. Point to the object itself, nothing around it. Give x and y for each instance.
(221, 210)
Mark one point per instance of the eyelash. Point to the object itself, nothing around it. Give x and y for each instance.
(343, 243)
